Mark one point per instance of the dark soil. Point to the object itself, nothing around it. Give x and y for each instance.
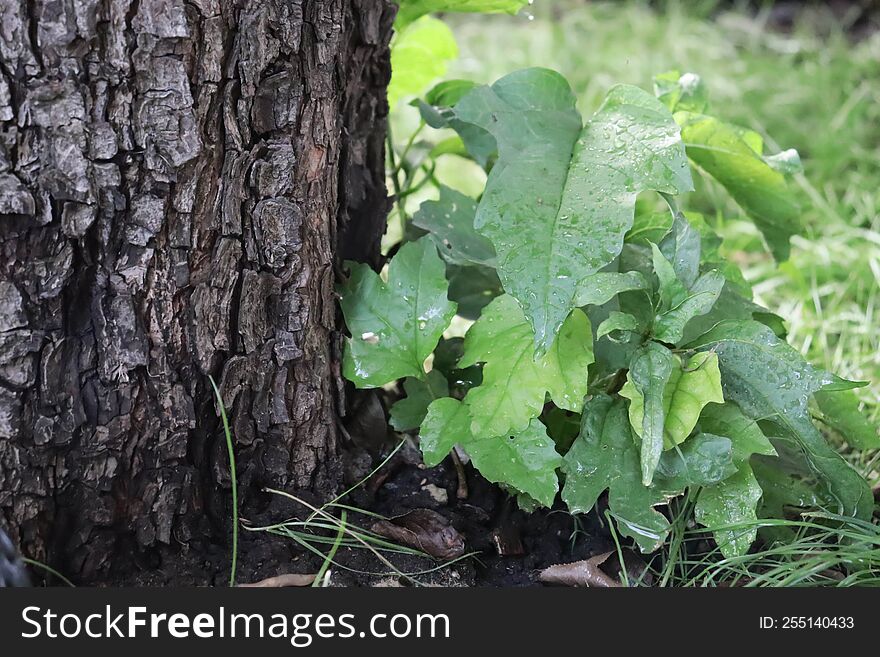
(536, 540)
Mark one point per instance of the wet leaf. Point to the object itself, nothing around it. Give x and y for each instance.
(769, 380)
(704, 460)
(733, 501)
(394, 325)
(649, 372)
(561, 196)
(681, 92)
(681, 301)
(436, 110)
(682, 247)
(450, 223)
(605, 456)
(515, 384)
(690, 386)
(408, 413)
(447, 423)
(525, 460)
(617, 321)
(649, 228)
(603, 286)
(720, 150)
(669, 326)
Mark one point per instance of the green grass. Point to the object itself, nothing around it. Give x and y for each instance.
(812, 89)
(230, 449)
(819, 549)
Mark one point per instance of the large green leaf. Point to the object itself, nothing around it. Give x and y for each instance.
(690, 386)
(408, 413)
(410, 10)
(840, 410)
(650, 371)
(395, 325)
(515, 384)
(732, 502)
(450, 223)
(560, 198)
(419, 55)
(605, 456)
(769, 380)
(526, 460)
(721, 151)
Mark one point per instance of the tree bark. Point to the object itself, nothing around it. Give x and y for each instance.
(178, 182)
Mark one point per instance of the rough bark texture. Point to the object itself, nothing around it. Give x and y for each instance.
(174, 179)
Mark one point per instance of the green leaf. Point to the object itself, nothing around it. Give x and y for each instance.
(605, 456)
(704, 460)
(449, 92)
(650, 371)
(768, 379)
(682, 248)
(834, 383)
(720, 150)
(472, 140)
(734, 500)
(408, 413)
(419, 56)
(840, 411)
(561, 196)
(450, 222)
(669, 326)
(672, 290)
(649, 228)
(681, 92)
(514, 383)
(600, 288)
(472, 288)
(689, 387)
(446, 424)
(410, 10)
(394, 325)
(617, 321)
(525, 460)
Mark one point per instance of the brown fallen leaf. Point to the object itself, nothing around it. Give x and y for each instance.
(425, 530)
(280, 581)
(580, 573)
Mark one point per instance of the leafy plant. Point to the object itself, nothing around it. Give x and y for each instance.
(600, 302)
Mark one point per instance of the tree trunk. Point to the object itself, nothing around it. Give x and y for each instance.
(178, 183)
